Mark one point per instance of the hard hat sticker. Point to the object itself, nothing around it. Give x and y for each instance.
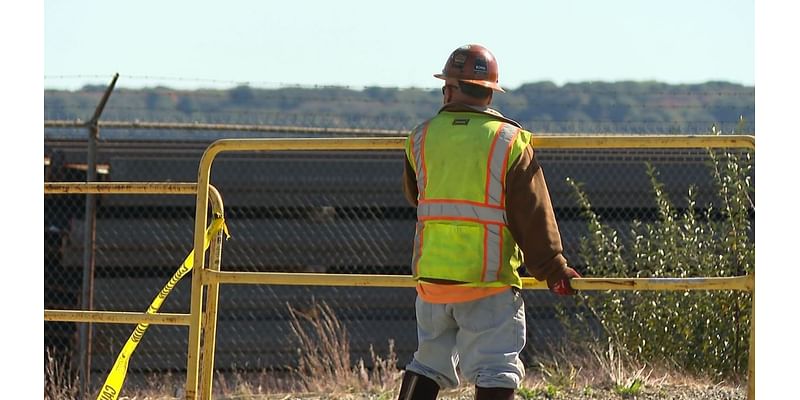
(459, 60)
(480, 66)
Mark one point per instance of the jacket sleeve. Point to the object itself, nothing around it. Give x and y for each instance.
(531, 218)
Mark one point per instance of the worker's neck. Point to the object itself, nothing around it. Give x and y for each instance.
(471, 101)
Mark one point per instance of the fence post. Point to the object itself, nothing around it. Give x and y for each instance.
(87, 287)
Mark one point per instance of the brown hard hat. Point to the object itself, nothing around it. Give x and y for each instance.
(472, 63)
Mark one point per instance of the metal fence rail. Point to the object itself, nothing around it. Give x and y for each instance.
(202, 320)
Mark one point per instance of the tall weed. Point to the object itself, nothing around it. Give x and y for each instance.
(705, 332)
(60, 382)
(324, 356)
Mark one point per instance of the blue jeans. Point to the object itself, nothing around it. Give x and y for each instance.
(482, 338)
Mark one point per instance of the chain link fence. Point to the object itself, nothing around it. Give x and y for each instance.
(299, 211)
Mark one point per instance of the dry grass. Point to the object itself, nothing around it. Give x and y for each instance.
(325, 371)
(603, 371)
(324, 356)
(59, 382)
(622, 371)
(594, 367)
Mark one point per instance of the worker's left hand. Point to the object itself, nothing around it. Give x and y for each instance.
(560, 285)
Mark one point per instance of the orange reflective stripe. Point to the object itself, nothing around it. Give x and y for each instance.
(417, 248)
(485, 252)
(492, 251)
(500, 252)
(498, 162)
(495, 196)
(456, 201)
(462, 219)
(488, 191)
(460, 211)
(418, 151)
(509, 147)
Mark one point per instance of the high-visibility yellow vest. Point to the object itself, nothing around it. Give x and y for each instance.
(460, 160)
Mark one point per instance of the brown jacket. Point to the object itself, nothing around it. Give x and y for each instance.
(529, 212)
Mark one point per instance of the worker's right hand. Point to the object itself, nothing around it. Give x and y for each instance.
(559, 283)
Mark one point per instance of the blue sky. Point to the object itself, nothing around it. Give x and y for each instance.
(395, 44)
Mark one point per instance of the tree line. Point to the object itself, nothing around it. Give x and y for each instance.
(624, 107)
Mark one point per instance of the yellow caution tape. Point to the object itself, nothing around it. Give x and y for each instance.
(116, 377)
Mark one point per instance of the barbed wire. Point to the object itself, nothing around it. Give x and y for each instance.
(248, 111)
(300, 116)
(228, 82)
(378, 116)
(436, 91)
(263, 128)
(675, 89)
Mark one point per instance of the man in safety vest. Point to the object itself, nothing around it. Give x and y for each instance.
(483, 210)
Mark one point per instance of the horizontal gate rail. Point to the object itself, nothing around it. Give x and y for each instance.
(119, 317)
(116, 317)
(128, 188)
(742, 283)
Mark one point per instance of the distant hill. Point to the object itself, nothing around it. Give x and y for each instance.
(614, 107)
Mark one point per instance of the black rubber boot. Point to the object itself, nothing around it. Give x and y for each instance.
(494, 393)
(417, 387)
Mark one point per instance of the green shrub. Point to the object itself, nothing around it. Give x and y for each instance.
(704, 332)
